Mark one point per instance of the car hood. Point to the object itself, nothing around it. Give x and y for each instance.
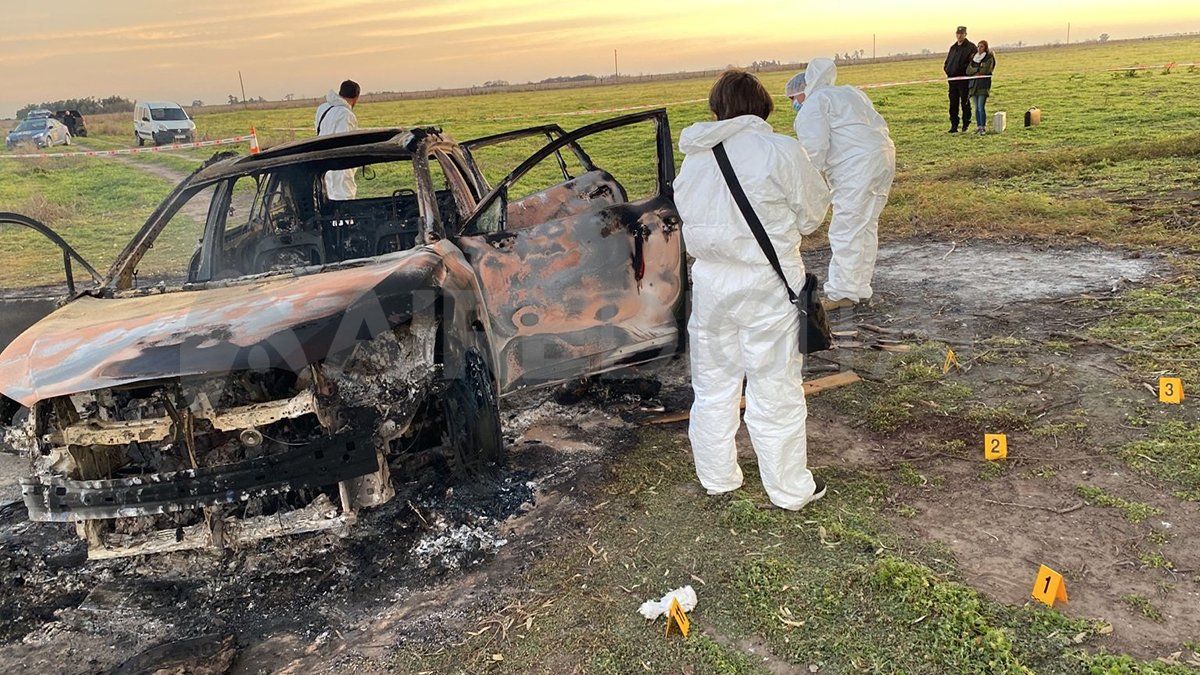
(275, 322)
(26, 134)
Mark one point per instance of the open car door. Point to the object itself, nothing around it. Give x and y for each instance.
(24, 304)
(494, 157)
(576, 278)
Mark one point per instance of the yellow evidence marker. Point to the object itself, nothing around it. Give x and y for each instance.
(676, 615)
(951, 361)
(1170, 390)
(995, 446)
(1049, 586)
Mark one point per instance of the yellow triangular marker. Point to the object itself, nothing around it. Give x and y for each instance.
(1170, 390)
(676, 615)
(995, 446)
(1049, 586)
(951, 361)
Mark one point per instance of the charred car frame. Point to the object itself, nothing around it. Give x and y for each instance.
(312, 348)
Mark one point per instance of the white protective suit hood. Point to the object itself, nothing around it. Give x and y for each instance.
(704, 135)
(821, 72)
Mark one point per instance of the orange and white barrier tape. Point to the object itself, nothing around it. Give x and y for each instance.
(929, 81)
(252, 138)
(628, 108)
(1158, 67)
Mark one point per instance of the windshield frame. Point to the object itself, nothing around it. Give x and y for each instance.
(160, 115)
(121, 274)
(32, 124)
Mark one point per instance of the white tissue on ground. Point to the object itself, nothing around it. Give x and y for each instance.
(652, 609)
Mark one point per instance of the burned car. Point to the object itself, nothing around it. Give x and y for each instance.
(262, 360)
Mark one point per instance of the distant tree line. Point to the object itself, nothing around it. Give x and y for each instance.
(86, 106)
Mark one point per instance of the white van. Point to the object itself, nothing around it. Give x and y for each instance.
(162, 122)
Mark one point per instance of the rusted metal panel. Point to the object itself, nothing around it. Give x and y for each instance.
(592, 190)
(570, 296)
(281, 322)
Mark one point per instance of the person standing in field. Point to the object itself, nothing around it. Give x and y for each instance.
(957, 60)
(334, 116)
(983, 63)
(743, 327)
(848, 142)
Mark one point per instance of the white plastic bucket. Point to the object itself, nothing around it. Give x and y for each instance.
(999, 122)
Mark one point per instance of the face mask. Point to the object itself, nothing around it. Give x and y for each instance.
(796, 105)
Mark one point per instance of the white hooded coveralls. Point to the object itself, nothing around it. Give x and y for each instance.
(333, 117)
(742, 324)
(848, 142)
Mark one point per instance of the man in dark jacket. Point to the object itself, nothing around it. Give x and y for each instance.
(957, 60)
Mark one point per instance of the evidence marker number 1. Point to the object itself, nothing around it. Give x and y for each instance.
(1049, 587)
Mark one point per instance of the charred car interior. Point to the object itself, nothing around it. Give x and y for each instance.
(295, 352)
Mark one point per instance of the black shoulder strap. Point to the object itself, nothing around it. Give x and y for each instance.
(756, 226)
(322, 120)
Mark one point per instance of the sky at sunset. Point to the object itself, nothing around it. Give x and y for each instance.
(193, 50)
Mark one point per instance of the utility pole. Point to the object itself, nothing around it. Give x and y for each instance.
(872, 46)
(1068, 32)
(616, 70)
(243, 88)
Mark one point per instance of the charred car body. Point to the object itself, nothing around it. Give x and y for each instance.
(315, 347)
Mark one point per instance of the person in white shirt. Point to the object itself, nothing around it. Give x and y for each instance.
(335, 116)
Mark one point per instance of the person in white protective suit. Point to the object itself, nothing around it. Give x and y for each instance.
(742, 325)
(335, 116)
(848, 142)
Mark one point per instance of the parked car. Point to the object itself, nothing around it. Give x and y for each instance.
(73, 120)
(162, 122)
(306, 349)
(41, 132)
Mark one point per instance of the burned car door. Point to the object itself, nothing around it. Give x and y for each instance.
(576, 278)
(494, 157)
(23, 304)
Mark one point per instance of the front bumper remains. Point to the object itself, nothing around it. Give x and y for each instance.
(328, 460)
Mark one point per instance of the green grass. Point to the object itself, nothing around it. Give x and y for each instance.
(1143, 606)
(95, 205)
(1172, 453)
(1159, 324)
(1134, 512)
(833, 586)
(912, 389)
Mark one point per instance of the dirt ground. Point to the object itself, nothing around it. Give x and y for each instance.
(423, 570)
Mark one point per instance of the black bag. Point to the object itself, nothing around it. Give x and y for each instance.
(815, 334)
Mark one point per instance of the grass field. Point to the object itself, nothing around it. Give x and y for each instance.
(841, 586)
(1106, 138)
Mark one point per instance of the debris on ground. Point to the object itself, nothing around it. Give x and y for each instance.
(811, 388)
(451, 548)
(652, 609)
(204, 655)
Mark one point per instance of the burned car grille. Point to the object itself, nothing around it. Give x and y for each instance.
(214, 461)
